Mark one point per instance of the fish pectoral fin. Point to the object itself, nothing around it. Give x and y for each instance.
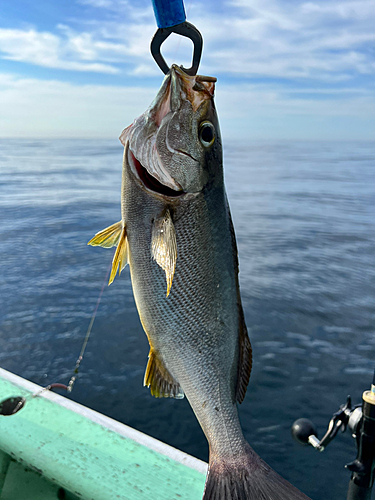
(160, 381)
(111, 236)
(164, 246)
(121, 257)
(245, 359)
(107, 238)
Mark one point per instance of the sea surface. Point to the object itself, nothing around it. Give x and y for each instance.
(304, 214)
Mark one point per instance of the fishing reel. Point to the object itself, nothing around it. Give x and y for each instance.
(304, 430)
(360, 420)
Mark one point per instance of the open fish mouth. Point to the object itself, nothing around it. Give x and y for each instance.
(160, 145)
(149, 181)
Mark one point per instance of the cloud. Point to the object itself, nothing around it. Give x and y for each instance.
(315, 59)
(40, 108)
(360, 9)
(270, 112)
(101, 4)
(328, 41)
(268, 100)
(48, 50)
(124, 9)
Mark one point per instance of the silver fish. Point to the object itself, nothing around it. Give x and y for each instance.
(177, 235)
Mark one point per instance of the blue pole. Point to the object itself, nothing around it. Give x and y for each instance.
(169, 12)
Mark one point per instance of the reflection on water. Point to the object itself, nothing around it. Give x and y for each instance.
(305, 222)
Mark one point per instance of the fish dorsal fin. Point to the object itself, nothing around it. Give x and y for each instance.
(245, 361)
(245, 358)
(164, 246)
(109, 237)
(160, 381)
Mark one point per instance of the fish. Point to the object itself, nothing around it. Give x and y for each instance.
(176, 234)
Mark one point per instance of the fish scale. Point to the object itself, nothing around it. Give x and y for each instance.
(189, 301)
(190, 317)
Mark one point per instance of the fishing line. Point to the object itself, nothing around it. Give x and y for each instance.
(72, 380)
(179, 38)
(12, 405)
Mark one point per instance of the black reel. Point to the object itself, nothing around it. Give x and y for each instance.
(360, 420)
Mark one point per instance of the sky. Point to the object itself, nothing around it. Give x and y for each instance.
(286, 69)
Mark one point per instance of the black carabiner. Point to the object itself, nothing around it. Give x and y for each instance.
(184, 29)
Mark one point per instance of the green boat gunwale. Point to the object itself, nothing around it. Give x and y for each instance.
(90, 454)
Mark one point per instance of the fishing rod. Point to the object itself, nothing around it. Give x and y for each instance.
(360, 419)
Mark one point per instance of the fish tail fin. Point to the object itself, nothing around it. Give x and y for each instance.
(247, 477)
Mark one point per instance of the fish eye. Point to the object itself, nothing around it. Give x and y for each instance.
(207, 134)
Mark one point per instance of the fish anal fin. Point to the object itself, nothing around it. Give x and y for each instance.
(164, 246)
(108, 237)
(245, 361)
(120, 259)
(160, 381)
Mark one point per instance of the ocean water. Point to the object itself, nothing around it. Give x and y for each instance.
(304, 215)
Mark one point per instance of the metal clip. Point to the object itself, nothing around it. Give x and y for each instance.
(184, 29)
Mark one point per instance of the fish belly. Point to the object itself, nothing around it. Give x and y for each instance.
(195, 329)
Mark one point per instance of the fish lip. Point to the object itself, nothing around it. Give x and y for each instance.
(148, 181)
(184, 87)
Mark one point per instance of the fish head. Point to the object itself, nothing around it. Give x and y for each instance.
(174, 147)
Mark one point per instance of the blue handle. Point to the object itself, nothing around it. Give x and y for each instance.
(169, 12)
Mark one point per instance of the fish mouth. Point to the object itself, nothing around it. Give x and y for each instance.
(149, 181)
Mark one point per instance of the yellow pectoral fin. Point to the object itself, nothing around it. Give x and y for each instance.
(164, 246)
(107, 238)
(111, 236)
(120, 258)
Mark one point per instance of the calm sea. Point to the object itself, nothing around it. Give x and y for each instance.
(304, 215)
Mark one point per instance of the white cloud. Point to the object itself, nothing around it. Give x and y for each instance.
(37, 108)
(329, 40)
(268, 100)
(325, 44)
(40, 108)
(101, 4)
(123, 9)
(360, 9)
(267, 112)
(48, 50)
